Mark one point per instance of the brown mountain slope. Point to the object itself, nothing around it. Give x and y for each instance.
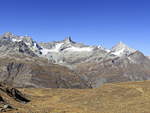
(135, 67)
(26, 71)
(130, 97)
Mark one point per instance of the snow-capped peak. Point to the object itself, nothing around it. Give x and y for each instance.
(59, 47)
(102, 48)
(33, 45)
(67, 45)
(122, 49)
(15, 38)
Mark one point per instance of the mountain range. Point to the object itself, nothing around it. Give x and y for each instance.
(68, 64)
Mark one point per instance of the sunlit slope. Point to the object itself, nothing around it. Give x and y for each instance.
(132, 97)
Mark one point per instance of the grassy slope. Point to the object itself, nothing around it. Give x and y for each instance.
(131, 97)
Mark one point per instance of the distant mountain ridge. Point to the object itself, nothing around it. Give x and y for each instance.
(65, 45)
(92, 65)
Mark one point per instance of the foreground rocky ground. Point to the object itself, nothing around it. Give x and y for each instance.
(9, 96)
(132, 97)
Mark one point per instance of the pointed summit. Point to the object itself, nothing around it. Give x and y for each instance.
(121, 49)
(68, 40)
(8, 35)
(119, 46)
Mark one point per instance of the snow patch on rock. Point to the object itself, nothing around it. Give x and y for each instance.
(122, 50)
(56, 48)
(78, 49)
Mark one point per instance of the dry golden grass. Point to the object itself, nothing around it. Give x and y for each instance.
(131, 97)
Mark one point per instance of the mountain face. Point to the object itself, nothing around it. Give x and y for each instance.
(22, 44)
(122, 50)
(25, 71)
(135, 67)
(22, 65)
(68, 64)
(68, 53)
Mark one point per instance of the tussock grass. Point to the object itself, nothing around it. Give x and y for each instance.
(131, 97)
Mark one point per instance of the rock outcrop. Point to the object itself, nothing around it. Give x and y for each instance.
(10, 94)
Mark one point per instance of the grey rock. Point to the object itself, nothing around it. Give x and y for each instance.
(68, 64)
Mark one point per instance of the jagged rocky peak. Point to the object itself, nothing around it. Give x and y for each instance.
(68, 40)
(67, 48)
(8, 35)
(24, 42)
(122, 49)
(57, 44)
(16, 38)
(120, 45)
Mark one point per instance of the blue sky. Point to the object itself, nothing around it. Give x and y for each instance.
(93, 22)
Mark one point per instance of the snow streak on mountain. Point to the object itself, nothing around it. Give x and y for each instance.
(86, 66)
